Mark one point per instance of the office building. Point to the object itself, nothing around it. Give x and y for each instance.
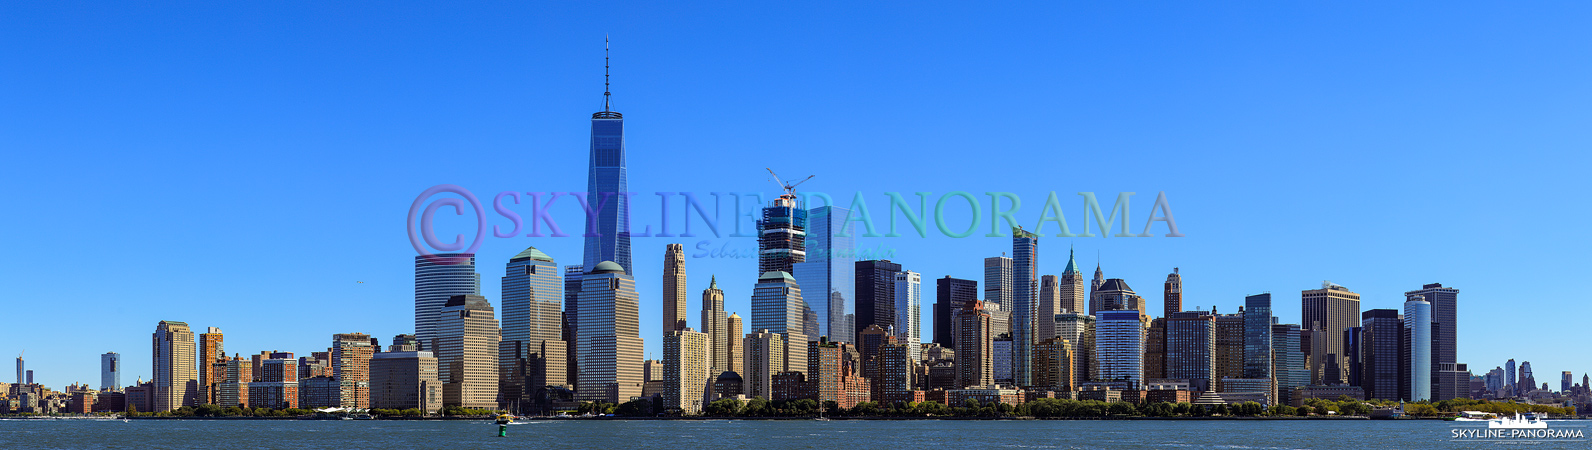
(1447, 382)
(875, 284)
(111, 371)
(1257, 336)
(1114, 294)
(998, 281)
(908, 309)
(1073, 296)
(609, 342)
(532, 354)
(608, 240)
(950, 296)
(1381, 340)
(1025, 301)
(232, 382)
(673, 288)
(22, 373)
(782, 235)
(403, 378)
(686, 377)
(1155, 349)
(1230, 345)
(1078, 328)
(715, 324)
(1053, 365)
(1119, 347)
(1418, 347)
(1049, 306)
(1172, 294)
(1326, 313)
(1288, 359)
(275, 383)
(765, 356)
(894, 381)
(467, 352)
(175, 380)
(777, 307)
(437, 278)
(351, 353)
(211, 351)
(732, 328)
(827, 275)
(1191, 349)
(572, 280)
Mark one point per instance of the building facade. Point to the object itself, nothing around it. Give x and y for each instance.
(777, 306)
(532, 354)
(609, 342)
(827, 273)
(950, 296)
(687, 379)
(175, 379)
(1327, 312)
(437, 278)
(467, 352)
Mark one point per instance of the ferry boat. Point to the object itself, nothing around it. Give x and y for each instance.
(1475, 416)
(1518, 421)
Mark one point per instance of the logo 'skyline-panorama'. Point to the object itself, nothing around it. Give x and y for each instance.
(425, 240)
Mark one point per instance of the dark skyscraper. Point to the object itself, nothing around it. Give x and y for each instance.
(950, 295)
(1257, 336)
(782, 236)
(1380, 343)
(1172, 295)
(876, 293)
(609, 238)
(1327, 312)
(1025, 300)
(1446, 384)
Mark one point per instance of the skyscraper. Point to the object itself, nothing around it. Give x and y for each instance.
(609, 238)
(732, 329)
(532, 354)
(351, 353)
(1445, 313)
(1074, 296)
(827, 276)
(22, 372)
(1191, 348)
(673, 288)
(174, 378)
(437, 278)
(974, 366)
(573, 275)
(777, 307)
(1025, 300)
(686, 378)
(715, 324)
(111, 371)
(1078, 328)
(211, 351)
(1418, 332)
(1527, 382)
(1327, 311)
(1288, 361)
(1229, 347)
(467, 352)
(765, 356)
(609, 341)
(875, 283)
(908, 309)
(950, 296)
(1257, 336)
(1119, 347)
(1114, 294)
(403, 378)
(998, 281)
(1053, 359)
(782, 234)
(1172, 295)
(1049, 306)
(1381, 340)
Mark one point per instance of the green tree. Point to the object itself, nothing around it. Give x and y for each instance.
(724, 407)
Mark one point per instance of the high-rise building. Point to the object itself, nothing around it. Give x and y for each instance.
(894, 382)
(765, 356)
(782, 235)
(607, 240)
(1079, 328)
(1114, 294)
(1025, 301)
(1191, 349)
(1510, 379)
(998, 281)
(572, 280)
(1074, 296)
(175, 380)
(22, 372)
(1526, 382)
(211, 351)
(686, 378)
(1445, 338)
(1418, 345)
(777, 307)
(974, 364)
(875, 284)
(438, 278)
(1172, 295)
(732, 328)
(1326, 312)
(609, 341)
(232, 381)
(1381, 340)
(532, 354)
(950, 296)
(1053, 359)
(908, 309)
(403, 378)
(1049, 306)
(825, 370)
(1119, 347)
(1094, 284)
(111, 371)
(275, 382)
(467, 352)
(827, 276)
(1566, 381)
(715, 324)
(351, 353)
(1229, 345)
(1288, 361)
(1257, 336)
(673, 288)
(1155, 349)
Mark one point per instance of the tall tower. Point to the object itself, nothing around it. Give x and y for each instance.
(532, 353)
(732, 328)
(1381, 336)
(211, 351)
(609, 341)
(1119, 347)
(1049, 307)
(782, 236)
(351, 353)
(826, 275)
(174, 378)
(674, 289)
(437, 278)
(998, 281)
(715, 324)
(1173, 295)
(1025, 300)
(909, 308)
(609, 238)
(1418, 332)
(22, 371)
(1445, 313)
(875, 294)
(1257, 335)
(686, 377)
(974, 366)
(111, 371)
(467, 345)
(1328, 311)
(1074, 297)
(950, 296)
(777, 307)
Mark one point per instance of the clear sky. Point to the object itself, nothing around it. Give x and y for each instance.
(247, 166)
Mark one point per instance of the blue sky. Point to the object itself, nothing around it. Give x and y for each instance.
(245, 166)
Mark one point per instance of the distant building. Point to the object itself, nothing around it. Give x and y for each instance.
(318, 392)
(686, 376)
(1326, 312)
(827, 276)
(984, 395)
(908, 309)
(1119, 346)
(439, 277)
(782, 236)
(715, 323)
(894, 383)
(1447, 382)
(467, 337)
(111, 371)
(732, 331)
(950, 296)
(1078, 328)
(609, 341)
(1191, 349)
(998, 281)
(232, 387)
(777, 306)
(1381, 341)
(211, 351)
(1230, 345)
(765, 356)
(175, 381)
(1025, 299)
(975, 354)
(674, 312)
(275, 384)
(1053, 360)
(351, 353)
(875, 285)
(1418, 347)
(1288, 359)
(532, 354)
(1257, 336)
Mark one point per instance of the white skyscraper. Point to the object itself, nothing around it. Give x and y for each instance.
(1418, 326)
(908, 307)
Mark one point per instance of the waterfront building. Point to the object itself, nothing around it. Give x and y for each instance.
(1049, 306)
(573, 275)
(232, 382)
(1326, 312)
(1001, 360)
(950, 296)
(1288, 359)
(318, 392)
(175, 380)
(673, 288)
(608, 240)
(777, 306)
(1053, 365)
(275, 383)
(715, 324)
(732, 327)
(1073, 296)
(1257, 337)
(782, 235)
(1119, 346)
(609, 344)
(998, 281)
(894, 382)
(351, 353)
(22, 373)
(1447, 382)
(1114, 294)
(532, 354)
(687, 379)
(467, 352)
(1230, 345)
(111, 371)
(875, 285)
(974, 359)
(1191, 349)
(437, 278)
(1510, 378)
(1155, 349)
(1078, 328)
(402, 378)
(1418, 347)
(824, 371)
(827, 275)
(1381, 341)
(211, 351)
(908, 309)
(765, 356)
(1025, 300)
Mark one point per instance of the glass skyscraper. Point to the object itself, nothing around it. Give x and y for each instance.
(829, 267)
(1119, 347)
(1257, 336)
(609, 238)
(532, 353)
(1025, 300)
(1418, 345)
(1289, 361)
(111, 371)
(908, 308)
(437, 278)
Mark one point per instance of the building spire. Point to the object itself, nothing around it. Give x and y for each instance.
(605, 73)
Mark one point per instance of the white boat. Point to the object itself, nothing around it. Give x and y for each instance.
(1517, 421)
(1475, 416)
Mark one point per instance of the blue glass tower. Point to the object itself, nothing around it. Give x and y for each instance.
(1025, 300)
(609, 238)
(829, 266)
(1257, 336)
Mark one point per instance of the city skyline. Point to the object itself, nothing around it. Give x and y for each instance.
(1236, 237)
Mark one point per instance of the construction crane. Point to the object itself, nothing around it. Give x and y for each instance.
(790, 189)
